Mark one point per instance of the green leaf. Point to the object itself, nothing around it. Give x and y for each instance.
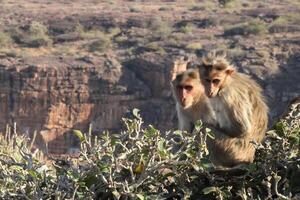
(178, 132)
(208, 190)
(210, 134)
(252, 167)
(114, 139)
(33, 174)
(90, 180)
(293, 139)
(151, 132)
(280, 128)
(80, 195)
(196, 167)
(122, 156)
(198, 125)
(135, 113)
(42, 169)
(207, 165)
(141, 196)
(79, 134)
(73, 175)
(116, 194)
(104, 168)
(161, 146)
(16, 167)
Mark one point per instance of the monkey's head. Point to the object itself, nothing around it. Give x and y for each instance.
(215, 71)
(188, 88)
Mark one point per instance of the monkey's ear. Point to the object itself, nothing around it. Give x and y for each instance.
(230, 71)
(221, 54)
(204, 62)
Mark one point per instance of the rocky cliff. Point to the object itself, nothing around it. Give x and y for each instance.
(52, 95)
(67, 64)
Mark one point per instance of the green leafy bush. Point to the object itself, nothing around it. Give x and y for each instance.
(143, 163)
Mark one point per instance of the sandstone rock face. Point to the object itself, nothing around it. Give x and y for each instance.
(53, 96)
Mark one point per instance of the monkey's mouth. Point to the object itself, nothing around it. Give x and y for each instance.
(184, 104)
(210, 94)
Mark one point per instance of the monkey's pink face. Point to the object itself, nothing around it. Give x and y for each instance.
(185, 95)
(212, 86)
(214, 78)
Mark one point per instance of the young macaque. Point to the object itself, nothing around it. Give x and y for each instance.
(191, 101)
(239, 110)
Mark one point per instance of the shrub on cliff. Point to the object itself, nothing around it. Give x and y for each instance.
(5, 39)
(254, 27)
(143, 163)
(35, 36)
(101, 44)
(161, 28)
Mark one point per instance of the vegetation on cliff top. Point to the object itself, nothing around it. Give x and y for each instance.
(142, 163)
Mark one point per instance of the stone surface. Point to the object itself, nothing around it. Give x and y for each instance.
(65, 86)
(53, 96)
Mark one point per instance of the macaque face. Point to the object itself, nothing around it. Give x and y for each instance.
(185, 92)
(214, 78)
(188, 87)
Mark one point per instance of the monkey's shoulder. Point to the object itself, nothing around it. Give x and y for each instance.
(244, 81)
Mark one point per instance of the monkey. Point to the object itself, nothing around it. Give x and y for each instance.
(188, 93)
(238, 108)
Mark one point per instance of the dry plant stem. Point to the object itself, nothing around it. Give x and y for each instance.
(33, 139)
(274, 187)
(111, 181)
(25, 196)
(75, 191)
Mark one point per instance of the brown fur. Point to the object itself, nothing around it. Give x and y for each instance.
(240, 112)
(196, 105)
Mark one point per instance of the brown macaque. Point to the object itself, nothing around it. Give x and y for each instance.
(239, 110)
(188, 92)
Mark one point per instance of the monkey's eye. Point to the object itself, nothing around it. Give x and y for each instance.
(207, 80)
(179, 87)
(207, 67)
(216, 81)
(188, 87)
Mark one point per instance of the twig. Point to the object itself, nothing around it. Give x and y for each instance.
(75, 191)
(274, 187)
(33, 139)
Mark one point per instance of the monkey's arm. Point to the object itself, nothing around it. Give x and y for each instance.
(184, 124)
(240, 115)
(217, 131)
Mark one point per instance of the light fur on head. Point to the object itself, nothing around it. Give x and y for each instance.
(215, 57)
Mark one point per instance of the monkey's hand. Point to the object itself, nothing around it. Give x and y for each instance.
(216, 130)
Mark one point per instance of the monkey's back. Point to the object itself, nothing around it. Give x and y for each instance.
(243, 99)
(252, 91)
